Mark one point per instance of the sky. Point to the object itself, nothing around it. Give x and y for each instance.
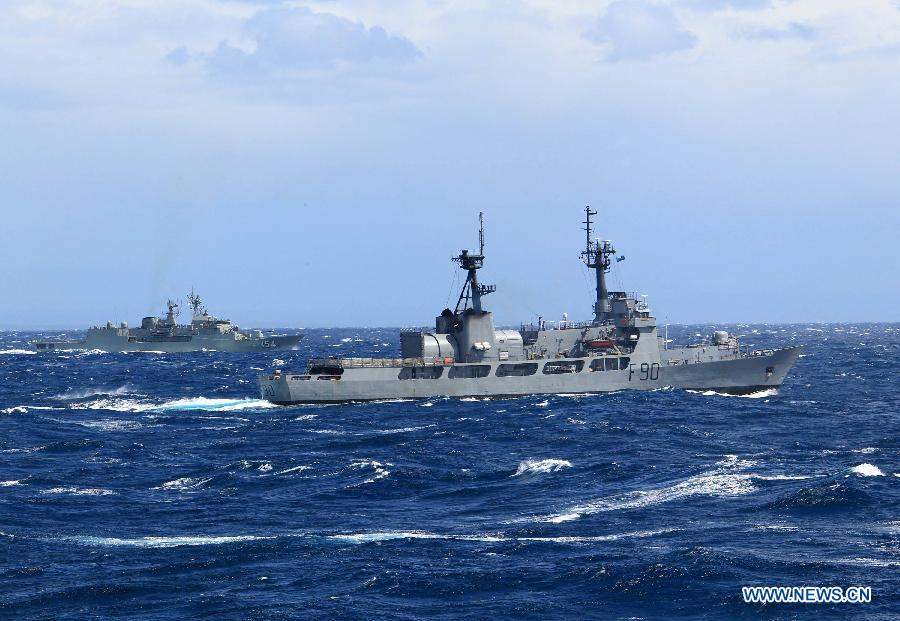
(316, 164)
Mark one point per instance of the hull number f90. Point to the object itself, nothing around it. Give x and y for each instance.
(644, 372)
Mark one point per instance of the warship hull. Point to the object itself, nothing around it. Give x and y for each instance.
(732, 376)
(114, 343)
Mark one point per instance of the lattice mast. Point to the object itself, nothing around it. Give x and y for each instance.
(472, 290)
(597, 255)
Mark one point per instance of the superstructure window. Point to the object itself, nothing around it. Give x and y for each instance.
(469, 371)
(517, 370)
(609, 363)
(420, 373)
(559, 368)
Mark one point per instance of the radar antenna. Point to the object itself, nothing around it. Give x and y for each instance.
(196, 305)
(596, 256)
(473, 290)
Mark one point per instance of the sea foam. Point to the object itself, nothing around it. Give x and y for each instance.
(867, 470)
(535, 466)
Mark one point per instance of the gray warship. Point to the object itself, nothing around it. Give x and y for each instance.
(465, 356)
(205, 333)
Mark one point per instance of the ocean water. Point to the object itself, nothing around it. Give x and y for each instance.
(159, 486)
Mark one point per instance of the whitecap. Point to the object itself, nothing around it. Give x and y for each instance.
(383, 536)
(166, 542)
(535, 466)
(542, 404)
(79, 491)
(19, 409)
(184, 484)
(378, 537)
(266, 467)
(114, 405)
(380, 469)
(10, 483)
(867, 470)
(715, 483)
(294, 469)
(404, 429)
(307, 417)
(761, 394)
(17, 352)
(865, 451)
(110, 424)
(91, 392)
(215, 405)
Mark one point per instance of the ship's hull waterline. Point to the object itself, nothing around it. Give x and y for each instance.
(735, 376)
(195, 344)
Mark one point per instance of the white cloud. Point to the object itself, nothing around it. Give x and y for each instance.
(716, 5)
(794, 30)
(638, 30)
(299, 38)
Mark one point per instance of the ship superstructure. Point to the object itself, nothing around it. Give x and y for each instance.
(465, 355)
(205, 333)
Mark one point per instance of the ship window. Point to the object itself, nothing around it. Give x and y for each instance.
(569, 366)
(469, 371)
(420, 373)
(609, 363)
(624, 362)
(321, 370)
(517, 370)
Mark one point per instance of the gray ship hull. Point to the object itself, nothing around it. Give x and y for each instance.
(122, 343)
(733, 376)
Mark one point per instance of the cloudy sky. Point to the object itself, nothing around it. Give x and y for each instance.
(317, 163)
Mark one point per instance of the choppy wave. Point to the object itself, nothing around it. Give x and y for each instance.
(218, 405)
(761, 394)
(79, 491)
(16, 352)
(378, 537)
(379, 469)
(165, 542)
(867, 470)
(717, 482)
(184, 484)
(18, 409)
(534, 466)
(828, 495)
(85, 393)
(174, 405)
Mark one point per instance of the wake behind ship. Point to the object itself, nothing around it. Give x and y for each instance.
(204, 333)
(465, 356)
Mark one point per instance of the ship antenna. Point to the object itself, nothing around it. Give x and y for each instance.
(481, 233)
(196, 304)
(472, 289)
(596, 256)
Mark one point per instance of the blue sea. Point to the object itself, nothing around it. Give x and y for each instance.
(160, 486)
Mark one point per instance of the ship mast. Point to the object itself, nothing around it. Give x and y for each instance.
(196, 305)
(597, 256)
(473, 290)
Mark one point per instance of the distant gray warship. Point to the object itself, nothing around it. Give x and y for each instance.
(205, 332)
(465, 356)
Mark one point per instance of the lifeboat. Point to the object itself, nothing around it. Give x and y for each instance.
(600, 343)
